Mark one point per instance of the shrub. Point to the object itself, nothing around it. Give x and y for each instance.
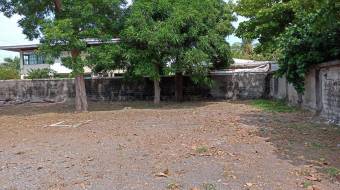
(7, 73)
(41, 73)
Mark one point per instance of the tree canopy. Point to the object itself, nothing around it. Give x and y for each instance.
(172, 36)
(301, 33)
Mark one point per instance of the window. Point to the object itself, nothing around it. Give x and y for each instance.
(33, 59)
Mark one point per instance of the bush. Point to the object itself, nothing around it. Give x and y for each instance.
(41, 73)
(7, 73)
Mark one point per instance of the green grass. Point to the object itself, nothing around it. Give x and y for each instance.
(202, 149)
(332, 172)
(273, 106)
(306, 184)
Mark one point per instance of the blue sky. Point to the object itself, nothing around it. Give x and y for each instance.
(11, 34)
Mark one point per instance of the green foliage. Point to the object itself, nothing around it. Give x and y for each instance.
(66, 28)
(7, 73)
(313, 39)
(12, 63)
(167, 36)
(10, 69)
(273, 106)
(300, 33)
(238, 50)
(332, 171)
(41, 73)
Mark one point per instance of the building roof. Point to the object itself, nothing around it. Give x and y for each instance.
(243, 65)
(30, 47)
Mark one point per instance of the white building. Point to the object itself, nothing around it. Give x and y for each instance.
(30, 60)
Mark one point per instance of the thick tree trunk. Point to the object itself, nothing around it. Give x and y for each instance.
(157, 94)
(179, 87)
(57, 4)
(81, 99)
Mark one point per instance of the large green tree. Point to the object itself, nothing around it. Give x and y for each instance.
(267, 19)
(302, 33)
(66, 26)
(172, 37)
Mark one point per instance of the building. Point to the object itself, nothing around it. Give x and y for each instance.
(30, 60)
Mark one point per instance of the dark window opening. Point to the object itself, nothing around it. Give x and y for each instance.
(33, 59)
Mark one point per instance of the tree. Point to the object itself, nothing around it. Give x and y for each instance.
(177, 37)
(313, 38)
(13, 63)
(65, 26)
(267, 19)
(300, 33)
(199, 29)
(143, 37)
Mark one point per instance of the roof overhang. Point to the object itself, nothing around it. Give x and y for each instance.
(20, 48)
(32, 47)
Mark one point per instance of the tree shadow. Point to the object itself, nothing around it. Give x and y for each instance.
(30, 109)
(298, 137)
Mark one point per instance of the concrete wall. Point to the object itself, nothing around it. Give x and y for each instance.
(230, 86)
(18, 91)
(322, 90)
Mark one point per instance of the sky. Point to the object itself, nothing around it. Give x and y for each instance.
(11, 34)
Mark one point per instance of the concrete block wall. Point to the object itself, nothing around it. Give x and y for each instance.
(228, 86)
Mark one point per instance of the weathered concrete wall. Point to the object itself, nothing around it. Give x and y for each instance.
(229, 86)
(322, 90)
(331, 93)
(17, 91)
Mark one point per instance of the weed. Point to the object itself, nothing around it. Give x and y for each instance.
(209, 186)
(332, 172)
(173, 186)
(202, 149)
(306, 184)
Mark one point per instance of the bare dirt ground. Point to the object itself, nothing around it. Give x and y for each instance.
(189, 146)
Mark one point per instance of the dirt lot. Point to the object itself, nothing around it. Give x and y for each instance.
(198, 146)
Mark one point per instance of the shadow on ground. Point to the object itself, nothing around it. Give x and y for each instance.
(300, 138)
(30, 109)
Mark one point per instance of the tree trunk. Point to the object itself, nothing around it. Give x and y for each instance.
(81, 99)
(157, 94)
(179, 87)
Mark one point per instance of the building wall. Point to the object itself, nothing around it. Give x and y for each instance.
(230, 86)
(322, 91)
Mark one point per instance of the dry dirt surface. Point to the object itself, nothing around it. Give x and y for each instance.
(189, 146)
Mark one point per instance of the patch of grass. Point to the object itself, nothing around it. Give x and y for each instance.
(332, 172)
(273, 106)
(306, 184)
(317, 145)
(202, 149)
(209, 186)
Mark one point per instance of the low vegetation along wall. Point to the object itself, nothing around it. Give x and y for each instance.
(322, 91)
(230, 86)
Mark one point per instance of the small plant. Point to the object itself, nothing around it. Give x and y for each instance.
(306, 184)
(273, 106)
(209, 186)
(173, 186)
(202, 149)
(332, 172)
